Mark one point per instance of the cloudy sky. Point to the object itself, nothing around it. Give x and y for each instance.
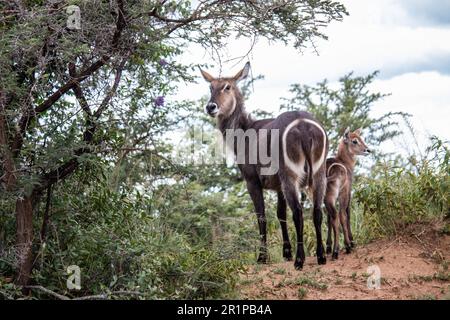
(408, 41)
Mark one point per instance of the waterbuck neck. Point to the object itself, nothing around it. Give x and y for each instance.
(239, 119)
(345, 157)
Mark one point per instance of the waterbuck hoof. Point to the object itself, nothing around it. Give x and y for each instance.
(335, 255)
(322, 260)
(348, 249)
(287, 253)
(352, 244)
(298, 264)
(328, 250)
(287, 256)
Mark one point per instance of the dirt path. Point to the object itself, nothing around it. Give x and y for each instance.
(412, 267)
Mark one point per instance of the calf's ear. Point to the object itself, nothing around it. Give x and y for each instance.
(346, 133)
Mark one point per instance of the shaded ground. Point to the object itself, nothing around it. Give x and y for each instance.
(415, 266)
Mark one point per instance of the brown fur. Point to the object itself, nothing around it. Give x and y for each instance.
(304, 141)
(339, 184)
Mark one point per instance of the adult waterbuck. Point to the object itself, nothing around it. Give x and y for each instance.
(339, 186)
(302, 145)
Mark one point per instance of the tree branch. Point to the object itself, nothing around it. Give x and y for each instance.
(114, 87)
(28, 116)
(103, 296)
(48, 291)
(78, 92)
(68, 167)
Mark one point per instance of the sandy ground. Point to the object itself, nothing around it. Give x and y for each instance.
(414, 266)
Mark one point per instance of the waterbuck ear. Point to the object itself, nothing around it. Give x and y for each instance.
(206, 76)
(241, 75)
(358, 131)
(346, 133)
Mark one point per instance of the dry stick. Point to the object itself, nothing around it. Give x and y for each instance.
(105, 296)
(49, 292)
(93, 297)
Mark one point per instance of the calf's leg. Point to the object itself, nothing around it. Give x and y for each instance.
(329, 242)
(332, 212)
(330, 204)
(343, 202)
(350, 234)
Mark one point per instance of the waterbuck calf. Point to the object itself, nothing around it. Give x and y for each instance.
(297, 137)
(339, 187)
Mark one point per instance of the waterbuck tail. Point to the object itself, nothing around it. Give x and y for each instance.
(307, 150)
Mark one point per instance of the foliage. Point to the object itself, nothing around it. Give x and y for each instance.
(397, 195)
(99, 96)
(349, 105)
(121, 246)
(86, 121)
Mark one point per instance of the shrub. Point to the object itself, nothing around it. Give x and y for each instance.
(394, 196)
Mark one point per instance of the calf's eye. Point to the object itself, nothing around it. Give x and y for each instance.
(355, 141)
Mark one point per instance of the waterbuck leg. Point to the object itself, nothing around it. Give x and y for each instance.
(344, 222)
(291, 195)
(281, 213)
(332, 213)
(349, 226)
(320, 252)
(256, 193)
(329, 242)
(319, 188)
(343, 218)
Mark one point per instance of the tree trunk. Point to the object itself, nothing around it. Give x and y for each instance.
(24, 225)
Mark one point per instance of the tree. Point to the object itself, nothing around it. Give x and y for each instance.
(68, 95)
(349, 105)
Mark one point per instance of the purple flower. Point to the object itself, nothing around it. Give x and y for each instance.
(163, 62)
(159, 101)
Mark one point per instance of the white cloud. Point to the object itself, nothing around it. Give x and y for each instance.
(425, 95)
(412, 56)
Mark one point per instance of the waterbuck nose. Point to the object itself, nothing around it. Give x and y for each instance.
(211, 107)
(368, 150)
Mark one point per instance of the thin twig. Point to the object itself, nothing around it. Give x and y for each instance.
(107, 295)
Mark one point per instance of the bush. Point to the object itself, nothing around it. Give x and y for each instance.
(121, 246)
(395, 196)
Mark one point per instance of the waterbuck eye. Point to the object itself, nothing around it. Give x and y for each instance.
(227, 87)
(355, 141)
